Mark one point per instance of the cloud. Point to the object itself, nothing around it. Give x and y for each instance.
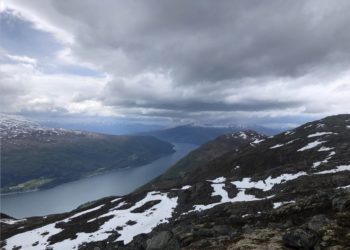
(185, 59)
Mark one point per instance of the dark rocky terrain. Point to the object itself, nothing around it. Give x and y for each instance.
(202, 156)
(290, 191)
(33, 156)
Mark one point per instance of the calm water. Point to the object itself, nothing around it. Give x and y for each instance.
(68, 196)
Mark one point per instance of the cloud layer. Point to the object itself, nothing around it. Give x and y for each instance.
(183, 60)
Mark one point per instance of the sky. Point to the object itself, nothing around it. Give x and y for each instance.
(276, 63)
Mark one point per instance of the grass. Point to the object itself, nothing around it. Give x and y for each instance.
(30, 185)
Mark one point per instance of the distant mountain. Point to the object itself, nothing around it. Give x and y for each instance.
(291, 191)
(201, 134)
(33, 156)
(200, 157)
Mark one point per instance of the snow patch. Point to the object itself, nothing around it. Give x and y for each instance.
(311, 145)
(344, 187)
(318, 163)
(117, 199)
(277, 146)
(323, 148)
(320, 134)
(10, 221)
(279, 204)
(335, 170)
(268, 183)
(84, 212)
(257, 141)
(243, 135)
(218, 180)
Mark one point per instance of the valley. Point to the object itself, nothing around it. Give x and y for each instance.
(286, 191)
(35, 157)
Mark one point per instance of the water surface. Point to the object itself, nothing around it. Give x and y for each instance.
(68, 196)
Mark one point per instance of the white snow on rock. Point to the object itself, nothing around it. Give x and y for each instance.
(117, 199)
(219, 190)
(289, 132)
(84, 212)
(10, 221)
(335, 170)
(320, 125)
(268, 183)
(243, 135)
(344, 187)
(292, 141)
(257, 141)
(308, 126)
(16, 127)
(318, 163)
(27, 239)
(218, 180)
(265, 185)
(279, 204)
(145, 222)
(186, 187)
(323, 148)
(311, 145)
(320, 134)
(277, 146)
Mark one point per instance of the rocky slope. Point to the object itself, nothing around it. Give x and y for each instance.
(200, 157)
(288, 191)
(33, 156)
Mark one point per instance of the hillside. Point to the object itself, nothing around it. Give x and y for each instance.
(34, 156)
(203, 155)
(202, 134)
(291, 191)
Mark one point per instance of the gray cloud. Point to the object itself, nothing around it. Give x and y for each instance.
(176, 58)
(209, 42)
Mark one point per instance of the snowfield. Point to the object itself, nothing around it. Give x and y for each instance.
(144, 223)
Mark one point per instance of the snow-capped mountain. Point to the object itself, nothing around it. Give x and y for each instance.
(287, 191)
(14, 127)
(34, 156)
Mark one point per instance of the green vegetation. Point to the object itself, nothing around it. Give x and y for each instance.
(30, 185)
(73, 158)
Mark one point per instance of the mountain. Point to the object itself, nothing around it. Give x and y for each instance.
(200, 134)
(33, 156)
(290, 191)
(203, 155)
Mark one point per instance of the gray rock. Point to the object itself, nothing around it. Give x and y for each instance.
(300, 238)
(222, 229)
(341, 204)
(162, 241)
(317, 222)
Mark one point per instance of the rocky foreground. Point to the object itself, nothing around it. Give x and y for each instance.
(288, 191)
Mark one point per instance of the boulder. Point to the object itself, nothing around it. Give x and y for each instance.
(300, 238)
(162, 241)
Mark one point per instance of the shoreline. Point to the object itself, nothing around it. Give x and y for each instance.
(84, 177)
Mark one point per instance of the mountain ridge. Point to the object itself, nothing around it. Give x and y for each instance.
(201, 134)
(34, 156)
(294, 193)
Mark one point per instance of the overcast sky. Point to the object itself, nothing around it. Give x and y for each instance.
(269, 62)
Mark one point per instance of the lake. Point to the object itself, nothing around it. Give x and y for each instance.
(70, 195)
